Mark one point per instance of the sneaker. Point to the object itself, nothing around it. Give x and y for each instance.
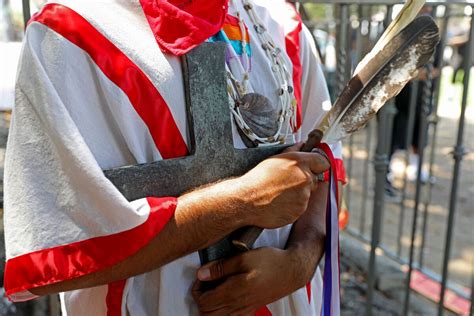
(392, 195)
(412, 170)
(412, 174)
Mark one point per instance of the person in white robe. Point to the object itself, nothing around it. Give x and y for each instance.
(99, 86)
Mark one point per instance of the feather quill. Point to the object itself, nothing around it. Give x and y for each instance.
(378, 81)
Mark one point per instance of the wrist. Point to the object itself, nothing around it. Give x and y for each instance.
(247, 195)
(241, 197)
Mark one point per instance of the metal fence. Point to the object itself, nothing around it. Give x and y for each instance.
(356, 30)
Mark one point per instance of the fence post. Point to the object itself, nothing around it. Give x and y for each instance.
(365, 176)
(381, 162)
(433, 123)
(458, 154)
(426, 103)
(368, 143)
(421, 138)
(342, 11)
(408, 142)
(472, 291)
(347, 76)
(385, 125)
(26, 12)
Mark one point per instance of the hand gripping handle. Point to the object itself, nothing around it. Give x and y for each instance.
(244, 238)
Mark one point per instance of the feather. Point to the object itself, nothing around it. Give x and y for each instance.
(406, 15)
(381, 79)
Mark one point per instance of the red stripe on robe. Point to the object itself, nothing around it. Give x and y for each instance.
(264, 311)
(114, 298)
(74, 260)
(292, 43)
(308, 291)
(145, 98)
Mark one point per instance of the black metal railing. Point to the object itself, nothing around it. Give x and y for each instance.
(362, 13)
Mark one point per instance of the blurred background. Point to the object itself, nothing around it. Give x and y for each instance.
(407, 245)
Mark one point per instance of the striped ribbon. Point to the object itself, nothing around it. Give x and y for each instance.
(331, 294)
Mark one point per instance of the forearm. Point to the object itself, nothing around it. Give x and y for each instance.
(306, 240)
(202, 217)
(262, 197)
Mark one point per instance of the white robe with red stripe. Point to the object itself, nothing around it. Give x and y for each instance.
(94, 91)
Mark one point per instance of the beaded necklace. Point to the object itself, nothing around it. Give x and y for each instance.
(246, 107)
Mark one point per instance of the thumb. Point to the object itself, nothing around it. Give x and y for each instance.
(317, 163)
(219, 269)
(294, 148)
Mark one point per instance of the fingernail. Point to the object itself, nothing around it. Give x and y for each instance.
(204, 274)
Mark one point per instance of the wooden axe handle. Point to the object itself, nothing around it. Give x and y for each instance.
(244, 238)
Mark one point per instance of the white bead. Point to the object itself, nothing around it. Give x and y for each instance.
(282, 77)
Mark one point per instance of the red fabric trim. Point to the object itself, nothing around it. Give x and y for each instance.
(264, 311)
(308, 291)
(292, 43)
(115, 297)
(340, 171)
(333, 162)
(343, 217)
(144, 97)
(334, 168)
(181, 25)
(57, 264)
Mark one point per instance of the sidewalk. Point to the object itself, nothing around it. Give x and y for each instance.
(390, 284)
